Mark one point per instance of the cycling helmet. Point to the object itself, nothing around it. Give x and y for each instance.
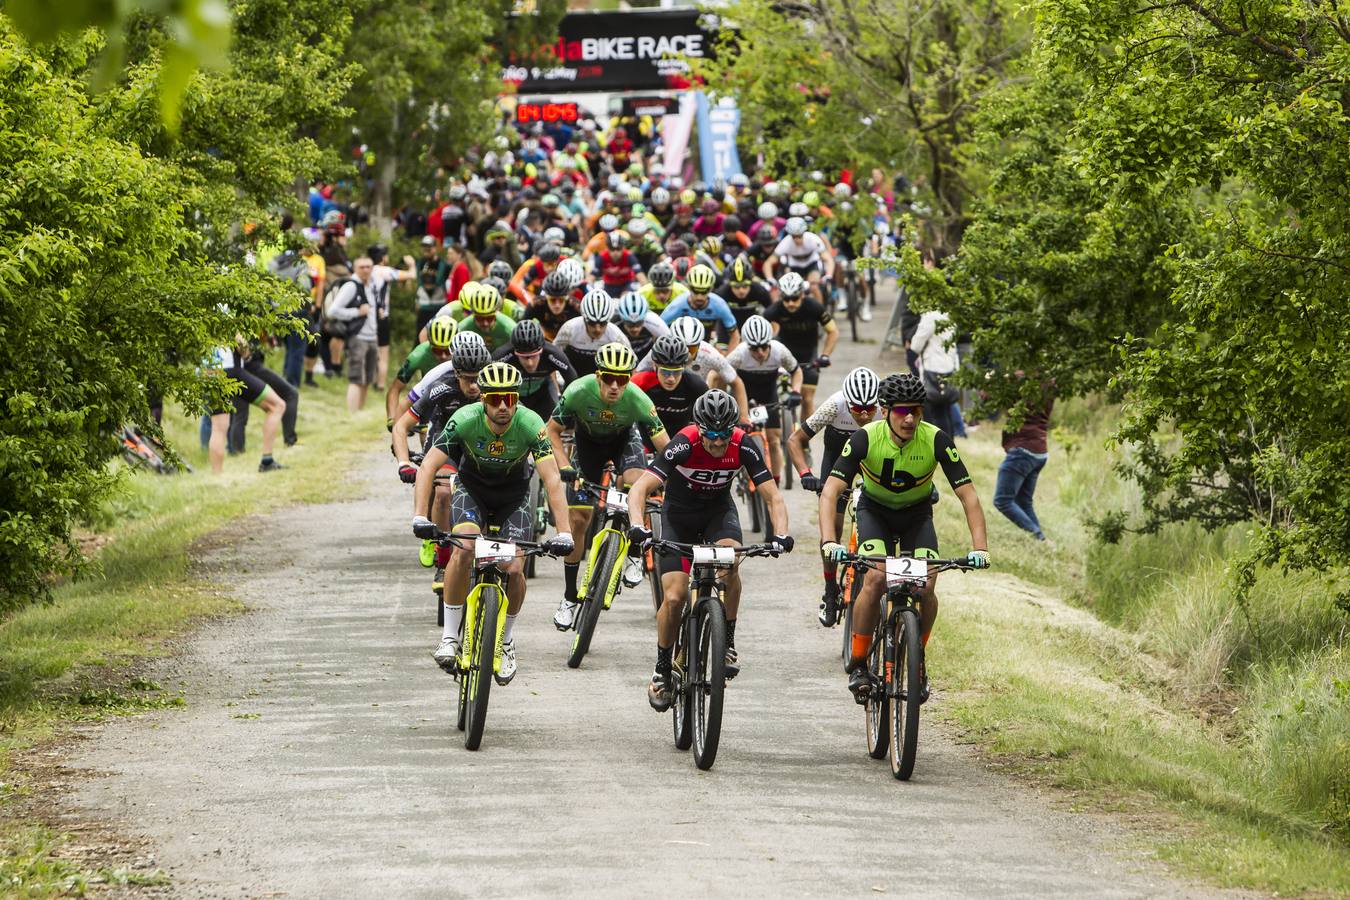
(441, 331)
(616, 239)
(740, 271)
(458, 192)
(615, 356)
(712, 244)
(688, 329)
(739, 180)
(816, 175)
(797, 211)
(860, 387)
(766, 236)
(901, 388)
(483, 301)
(677, 248)
(572, 268)
(499, 376)
(811, 199)
(731, 224)
(527, 336)
(767, 211)
(471, 356)
(608, 222)
(467, 292)
(495, 283)
(716, 411)
(772, 189)
(660, 197)
(701, 279)
(557, 283)
(465, 340)
(757, 332)
(791, 284)
(555, 235)
(635, 194)
(662, 275)
(843, 191)
(670, 351)
(796, 226)
(549, 253)
(549, 201)
(632, 308)
(597, 306)
(636, 227)
(689, 196)
(500, 268)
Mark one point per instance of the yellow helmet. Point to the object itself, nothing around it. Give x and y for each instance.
(466, 292)
(701, 279)
(615, 357)
(441, 331)
(498, 377)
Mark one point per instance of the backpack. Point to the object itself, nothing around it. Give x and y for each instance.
(346, 329)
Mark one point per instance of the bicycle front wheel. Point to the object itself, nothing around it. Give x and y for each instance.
(597, 582)
(479, 676)
(707, 682)
(905, 694)
(878, 703)
(653, 560)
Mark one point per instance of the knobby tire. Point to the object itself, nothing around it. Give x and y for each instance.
(905, 699)
(878, 704)
(480, 667)
(589, 614)
(709, 679)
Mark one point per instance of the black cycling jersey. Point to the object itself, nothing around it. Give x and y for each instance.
(547, 319)
(551, 360)
(800, 330)
(675, 407)
(441, 400)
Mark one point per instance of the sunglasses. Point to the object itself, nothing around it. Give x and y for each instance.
(863, 410)
(669, 373)
(903, 411)
(721, 435)
(501, 398)
(613, 379)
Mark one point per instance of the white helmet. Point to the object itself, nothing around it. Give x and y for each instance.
(688, 329)
(799, 210)
(796, 226)
(660, 196)
(790, 284)
(772, 189)
(767, 211)
(757, 332)
(572, 270)
(860, 387)
(843, 191)
(632, 308)
(608, 222)
(597, 306)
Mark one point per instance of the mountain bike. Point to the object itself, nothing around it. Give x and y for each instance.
(480, 636)
(896, 664)
(540, 517)
(651, 563)
(602, 582)
(140, 451)
(849, 576)
(698, 659)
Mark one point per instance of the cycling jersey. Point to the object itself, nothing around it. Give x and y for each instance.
(573, 339)
(548, 319)
(617, 270)
(800, 330)
(494, 465)
(551, 360)
(652, 329)
(441, 400)
(581, 407)
(702, 477)
(762, 376)
(436, 374)
(801, 255)
(499, 335)
(742, 308)
(455, 309)
(715, 310)
(656, 305)
(420, 361)
(675, 407)
(834, 419)
(897, 476)
(705, 361)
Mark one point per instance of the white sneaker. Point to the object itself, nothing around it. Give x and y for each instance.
(865, 314)
(565, 616)
(632, 571)
(842, 304)
(447, 654)
(508, 663)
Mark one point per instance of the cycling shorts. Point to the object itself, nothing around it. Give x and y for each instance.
(512, 518)
(697, 525)
(888, 532)
(765, 392)
(590, 457)
(810, 376)
(805, 270)
(253, 391)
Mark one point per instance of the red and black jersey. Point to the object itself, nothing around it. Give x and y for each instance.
(617, 269)
(693, 476)
(676, 408)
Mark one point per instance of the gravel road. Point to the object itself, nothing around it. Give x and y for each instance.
(318, 755)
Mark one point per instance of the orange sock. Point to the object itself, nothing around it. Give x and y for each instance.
(926, 637)
(862, 644)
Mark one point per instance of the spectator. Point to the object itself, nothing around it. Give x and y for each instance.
(457, 270)
(1025, 453)
(355, 301)
(430, 284)
(934, 345)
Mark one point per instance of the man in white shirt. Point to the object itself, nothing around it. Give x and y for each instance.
(934, 342)
(357, 300)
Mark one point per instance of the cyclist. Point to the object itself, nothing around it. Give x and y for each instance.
(538, 361)
(842, 413)
(704, 360)
(798, 321)
(661, 288)
(672, 387)
(438, 400)
(602, 410)
(423, 358)
(580, 338)
(698, 469)
(525, 282)
(487, 320)
(703, 305)
(802, 252)
(616, 266)
(743, 293)
(556, 307)
(757, 361)
(639, 325)
(494, 440)
(896, 457)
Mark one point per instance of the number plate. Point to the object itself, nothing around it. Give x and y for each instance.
(759, 415)
(616, 500)
(485, 550)
(714, 555)
(904, 569)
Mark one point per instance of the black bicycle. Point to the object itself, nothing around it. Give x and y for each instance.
(895, 664)
(698, 660)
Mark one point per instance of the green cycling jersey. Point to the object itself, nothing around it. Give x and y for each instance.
(490, 464)
(582, 407)
(896, 475)
(510, 308)
(419, 362)
(496, 337)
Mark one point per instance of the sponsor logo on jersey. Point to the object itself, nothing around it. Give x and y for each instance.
(711, 478)
(496, 448)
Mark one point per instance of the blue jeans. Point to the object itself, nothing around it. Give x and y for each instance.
(294, 367)
(1016, 486)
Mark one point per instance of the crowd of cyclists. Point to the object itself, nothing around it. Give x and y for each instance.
(585, 317)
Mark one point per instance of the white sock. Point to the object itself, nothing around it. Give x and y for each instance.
(510, 626)
(454, 615)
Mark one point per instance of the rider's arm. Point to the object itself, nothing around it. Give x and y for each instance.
(553, 487)
(970, 502)
(794, 368)
(555, 432)
(426, 479)
(959, 478)
(391, 404)
(406, 423)
(831, 337)
(826, 257)
(769, 265)
(840, 477)
(738, 391)
(637, 496)
(798, 441)
(752, 459)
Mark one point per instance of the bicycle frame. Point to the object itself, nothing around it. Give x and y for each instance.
(615, 522)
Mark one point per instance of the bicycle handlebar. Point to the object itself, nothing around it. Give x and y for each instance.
(941, 565)
(685, 549)
(523, 548)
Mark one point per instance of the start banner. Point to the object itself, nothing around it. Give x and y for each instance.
(642, 50)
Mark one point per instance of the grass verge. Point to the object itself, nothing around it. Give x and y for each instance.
(76, 658)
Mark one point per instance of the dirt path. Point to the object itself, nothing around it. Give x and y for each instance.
(318, 754)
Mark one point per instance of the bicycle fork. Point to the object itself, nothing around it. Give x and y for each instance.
(468, 647)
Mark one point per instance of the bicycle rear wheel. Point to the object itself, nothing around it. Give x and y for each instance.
(538, 519)
(707, 682)
(596, 584)
(878, 703)
(680, 660)
(479, 675)
(850, 583)
(905, 695)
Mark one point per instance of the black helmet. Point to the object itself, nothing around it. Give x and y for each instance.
(901, 388)
(557, 284)
(527, 336)
(662, 275)
(716, 411)
(500, 268)
(549, 253)
(670, 351)
(493, 281)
